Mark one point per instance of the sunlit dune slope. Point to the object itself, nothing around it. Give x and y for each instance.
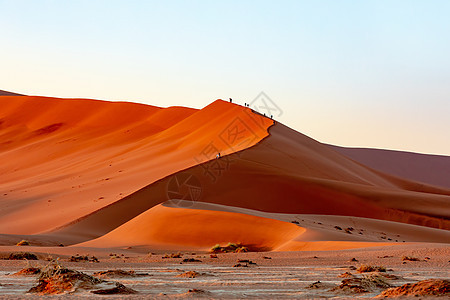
(430, 169)
(179, 224)
(168, 227)
(62, 159)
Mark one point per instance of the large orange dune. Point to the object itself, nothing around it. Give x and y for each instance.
(97, 173)
(68, 158)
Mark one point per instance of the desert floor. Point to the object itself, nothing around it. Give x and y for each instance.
(274, 274)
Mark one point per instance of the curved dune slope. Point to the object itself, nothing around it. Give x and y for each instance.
(66, 158)
(430, 169)
(167, 227)
(178, 224)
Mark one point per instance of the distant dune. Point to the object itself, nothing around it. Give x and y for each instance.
(5, 93)
(431, 169)
(115, 173)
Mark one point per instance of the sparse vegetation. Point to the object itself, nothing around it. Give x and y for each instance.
(78, 258)
(230, 247)
(173, 255)
(191, 260)
(23, 243)
(56, 279)
(410, 258)
(240, 265)
(429, 287)
(369, 268)
(118, 274)
(22, 256)
(315, 285)
(367, 283)
(118, 289)
(189, 274)
(345, 275)
(197, 291)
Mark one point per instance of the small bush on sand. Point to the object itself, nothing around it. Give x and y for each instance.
(23, 243)
(78, 258)
(367, 283)
(230, 247)
(173, 255)
(216, 248)
(191, 260)
(368, 268)
(410, 258)
(22, 256)
(189, 274)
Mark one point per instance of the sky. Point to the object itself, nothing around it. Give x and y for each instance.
(351, 73)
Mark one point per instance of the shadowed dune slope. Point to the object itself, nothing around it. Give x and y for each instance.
(66, 158)
(286, 172)
(6, 93)
(430, 169)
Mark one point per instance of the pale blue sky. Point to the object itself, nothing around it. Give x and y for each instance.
(352, 73)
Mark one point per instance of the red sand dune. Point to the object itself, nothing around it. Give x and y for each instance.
(430, 169)
(95, 168)
(68, 158)
(169, 227)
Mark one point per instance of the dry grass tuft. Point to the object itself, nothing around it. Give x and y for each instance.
(410, 258)
(230, 247)
(189, 274)
(367, 283)
(22, 256)
(23, 243)
(369, 268)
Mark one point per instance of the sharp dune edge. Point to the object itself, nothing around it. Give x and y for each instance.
(115, 174)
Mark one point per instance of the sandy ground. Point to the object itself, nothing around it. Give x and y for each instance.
(275, 274)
